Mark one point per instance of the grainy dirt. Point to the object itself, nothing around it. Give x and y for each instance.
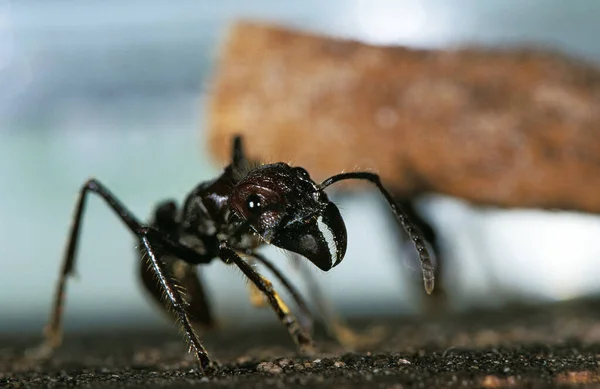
(533, 347)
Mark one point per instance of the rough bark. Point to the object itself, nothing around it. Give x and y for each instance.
(511, 127)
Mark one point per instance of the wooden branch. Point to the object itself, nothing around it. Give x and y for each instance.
(512, 128)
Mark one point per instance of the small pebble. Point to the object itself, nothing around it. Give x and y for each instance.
(269, 367)
(403, 361)
(284, 362)
(339, 364)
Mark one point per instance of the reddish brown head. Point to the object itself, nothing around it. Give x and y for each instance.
(287, 208)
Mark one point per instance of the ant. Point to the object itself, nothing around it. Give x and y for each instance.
(247, 206)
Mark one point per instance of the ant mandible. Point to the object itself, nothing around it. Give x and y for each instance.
(247, 206)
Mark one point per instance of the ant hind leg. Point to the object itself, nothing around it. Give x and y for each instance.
(145, 235)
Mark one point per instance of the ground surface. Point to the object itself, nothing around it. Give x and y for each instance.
(539, 347)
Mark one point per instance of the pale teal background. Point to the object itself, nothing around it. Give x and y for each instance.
(116, 90)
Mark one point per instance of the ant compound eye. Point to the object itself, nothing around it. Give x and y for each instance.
(302, 172)
(254, 202)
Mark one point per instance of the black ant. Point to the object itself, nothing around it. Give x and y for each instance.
(230, 217)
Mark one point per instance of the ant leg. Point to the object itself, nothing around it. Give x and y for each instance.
(239, 163)
(411, 229)
(306, 319)
(302, 339)
(178, 305)
(238, 156)
(186, 275)
(198, 307)
(53, 329)
(257, 298)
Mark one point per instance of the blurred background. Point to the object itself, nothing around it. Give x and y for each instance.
(117, 91)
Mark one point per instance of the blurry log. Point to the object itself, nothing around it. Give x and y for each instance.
(511, 127)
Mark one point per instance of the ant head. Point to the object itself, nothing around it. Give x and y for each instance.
(288, 209)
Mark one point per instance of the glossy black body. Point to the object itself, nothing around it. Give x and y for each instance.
(228, 218)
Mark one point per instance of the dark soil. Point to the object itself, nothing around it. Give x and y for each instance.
(536, 347)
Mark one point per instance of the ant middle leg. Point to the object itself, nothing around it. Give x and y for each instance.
(186, 275)
(178, 304)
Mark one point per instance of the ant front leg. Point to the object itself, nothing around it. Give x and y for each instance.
(148, 237)
(302, 339)
(306, 318)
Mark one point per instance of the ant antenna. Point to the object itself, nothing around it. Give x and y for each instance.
(410, 228)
